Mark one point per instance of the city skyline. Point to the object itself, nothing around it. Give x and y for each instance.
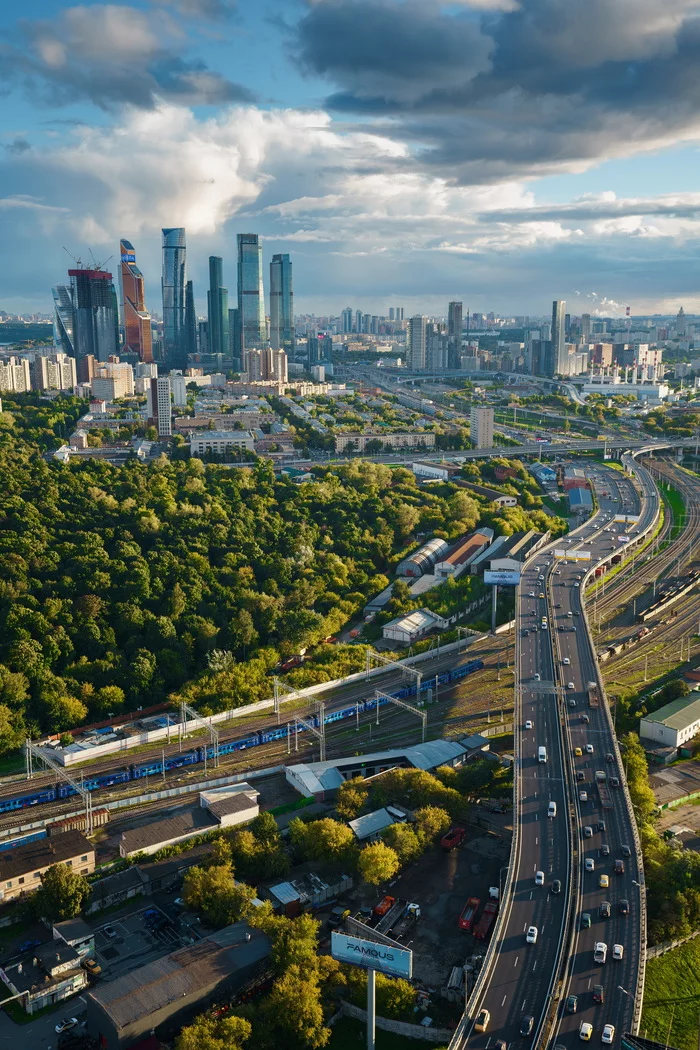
(421, 162)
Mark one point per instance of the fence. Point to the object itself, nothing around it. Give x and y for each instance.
(667, 946)
(409, 1031)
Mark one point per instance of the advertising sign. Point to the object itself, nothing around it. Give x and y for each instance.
(580, 555)
(631, 518)
(561, 553)
(397, 962)
(502, 577)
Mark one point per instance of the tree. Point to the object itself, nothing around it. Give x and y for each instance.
(431, 821)
(293, 1010)
(210, 1033)
(264, 828)
(351, 797)
(324, 840)
(214, 893)
(109, 700)
(62, 894)
(377, 863)
(403, 839)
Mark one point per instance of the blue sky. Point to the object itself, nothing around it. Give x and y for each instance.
(502, 152)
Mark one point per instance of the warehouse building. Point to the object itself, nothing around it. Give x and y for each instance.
(407, 629)
(674, 724)
(580, 501)
(166, 994)
(460, 557)
(493, 495)
(422, 560)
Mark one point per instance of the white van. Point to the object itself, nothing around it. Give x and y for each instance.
(541, 754)
(552, 809)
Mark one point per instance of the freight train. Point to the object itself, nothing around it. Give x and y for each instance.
(195, 755)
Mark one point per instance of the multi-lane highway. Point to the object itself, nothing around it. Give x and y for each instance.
(524, 990)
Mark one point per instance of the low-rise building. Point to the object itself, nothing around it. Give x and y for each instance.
(356, 442)
(45, 975)
(503, 499)
(21, 868)
(77, 935)
(369, 826)
(580, 501)
(218, 442)
(218, 808)
(165, 995)
(405, 630)
(423, 560)
(460, 557)
(673, 724)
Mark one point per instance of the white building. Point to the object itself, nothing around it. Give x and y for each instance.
(113, 379)
(53, 372)
(674, 724)
(15, 375)
(178, 388)
(220, 441)
(416, 342)
(358, 442)
(405, 630)
(158, 406)
(481, 426)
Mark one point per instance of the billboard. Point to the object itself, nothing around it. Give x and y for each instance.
(560, 553)
(631, 518)
(397, 962)
(502, 577)
(580, 555)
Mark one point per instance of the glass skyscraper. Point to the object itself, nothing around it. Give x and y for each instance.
(217, 299)
(251, 301)
(63, 319)
(90, 309)
(281, 304)
(136, 319)
(560, 353)
(173, 285)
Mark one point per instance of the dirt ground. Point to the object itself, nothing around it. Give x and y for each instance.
(441, 883)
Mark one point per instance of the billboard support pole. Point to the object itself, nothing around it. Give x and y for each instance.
(494, 599)
(370, 1010)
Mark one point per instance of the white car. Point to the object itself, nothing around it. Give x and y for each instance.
(566, 661)
(588, 832)
(531, 936)
(570, 685)
(577, 584)
(537, 678)
(528, 724)
(539, 878)
(66, 1024)
(531, 594)
(585, 1031)
(618, 951)
(589, 749)
(608, 1033)
(590, 864)
(583, 796)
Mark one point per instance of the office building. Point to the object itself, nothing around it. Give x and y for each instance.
(281, 304)
(399, 313)
(63, 320)
(159, 407)
(436, 347)
(135, 317)
(358, 320)
(217, 302)
(95, 320)
(454, 333)
(347, 320)
(175, 348)
(416, 343)
(190, 320)
(559, 347)
(585, 328)
(219, 442)
(481, 427)
(251, 302)
(234, 339)
(113, 379)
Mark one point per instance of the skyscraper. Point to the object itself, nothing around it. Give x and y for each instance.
(347, 319)
(454, 334)
(559, 349)
(415, 342)
(217, 300)
(190, 321)
(585, 328)
(63, 320)
(251, 301)
(281, 304)
(173, 285)
(481, 427)
(136, 319)
(95, 314)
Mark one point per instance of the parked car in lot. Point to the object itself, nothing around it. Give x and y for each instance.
(110, 932)
(92, 967)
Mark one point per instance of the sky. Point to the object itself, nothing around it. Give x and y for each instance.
(404, 152)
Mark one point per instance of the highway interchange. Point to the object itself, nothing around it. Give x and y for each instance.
(526, 980)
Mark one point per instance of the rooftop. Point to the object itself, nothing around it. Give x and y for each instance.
(370, 823)
(73, 929)
(56, 849)
(679, 714)
(420, 620)
(191, 821)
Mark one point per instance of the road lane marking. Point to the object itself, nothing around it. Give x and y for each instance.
(504, 1000)
(516, 960)
(534, 966)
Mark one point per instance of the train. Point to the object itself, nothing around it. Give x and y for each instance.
(198, 754)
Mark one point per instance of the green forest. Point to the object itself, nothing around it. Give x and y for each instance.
(121, 586)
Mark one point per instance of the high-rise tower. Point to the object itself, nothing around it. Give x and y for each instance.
(416, 342)
(251, 302)
(454, 334)
(95, 314)
(281, 304)
(217, 299)
(136, 319)
(64, 319)
(559, 350)
(173, 284)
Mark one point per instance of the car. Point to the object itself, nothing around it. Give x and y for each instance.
(571, 1004)
(110, 932)
(539, 878)
(541, 594)
(605, 850)
(626, 851)
(600, 952)
(598, 993)
(619, 867)
(92, 967)
(570, 685)
(589, 749)
(500, 1044)
(590, 864)
(578, 752)
(536, 677)
(614, 782)
(586, 920)
(609, 757)
(608, 1033)
(585, 718)
(179, 902)
(531, 935)
(588, 832)
(482, 1021)
(65, 1025)
(601, 825)
(624, 907)
(531, 594)
(527, 1024)
(604, 882)
(526, 634)
(540, 577)
(605, 910)
(528, 724)
(580, 775)
(585, 1031)
(583, 796)
(566, 660)
(577, 584)
(556, 886)
(557, 606)
(151, 913)
(618, 951)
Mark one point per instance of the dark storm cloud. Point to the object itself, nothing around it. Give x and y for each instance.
(109, 55)
(551, 83)
(18, 146)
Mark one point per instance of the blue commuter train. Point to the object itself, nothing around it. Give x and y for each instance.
(196, 755)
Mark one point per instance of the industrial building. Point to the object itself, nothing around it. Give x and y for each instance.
(492, 495)
(673, 724)
(422, 560)
(460, 557)
(369, 826)
(166, 994)
(406, 629)
(574, 478)
(580, 501)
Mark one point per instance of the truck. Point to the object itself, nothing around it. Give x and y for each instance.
(453, 838)
(604, 794)
(411, 914)
(390, 917)
(468, 914)
(483, 926)
(592, 694)
(384, 905)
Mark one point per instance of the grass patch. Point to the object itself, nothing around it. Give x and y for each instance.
(349, 1034)
(675, 502)
(672, 997)
(290, 807)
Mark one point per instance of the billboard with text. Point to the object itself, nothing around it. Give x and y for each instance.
(397, 962)
(502, 577)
